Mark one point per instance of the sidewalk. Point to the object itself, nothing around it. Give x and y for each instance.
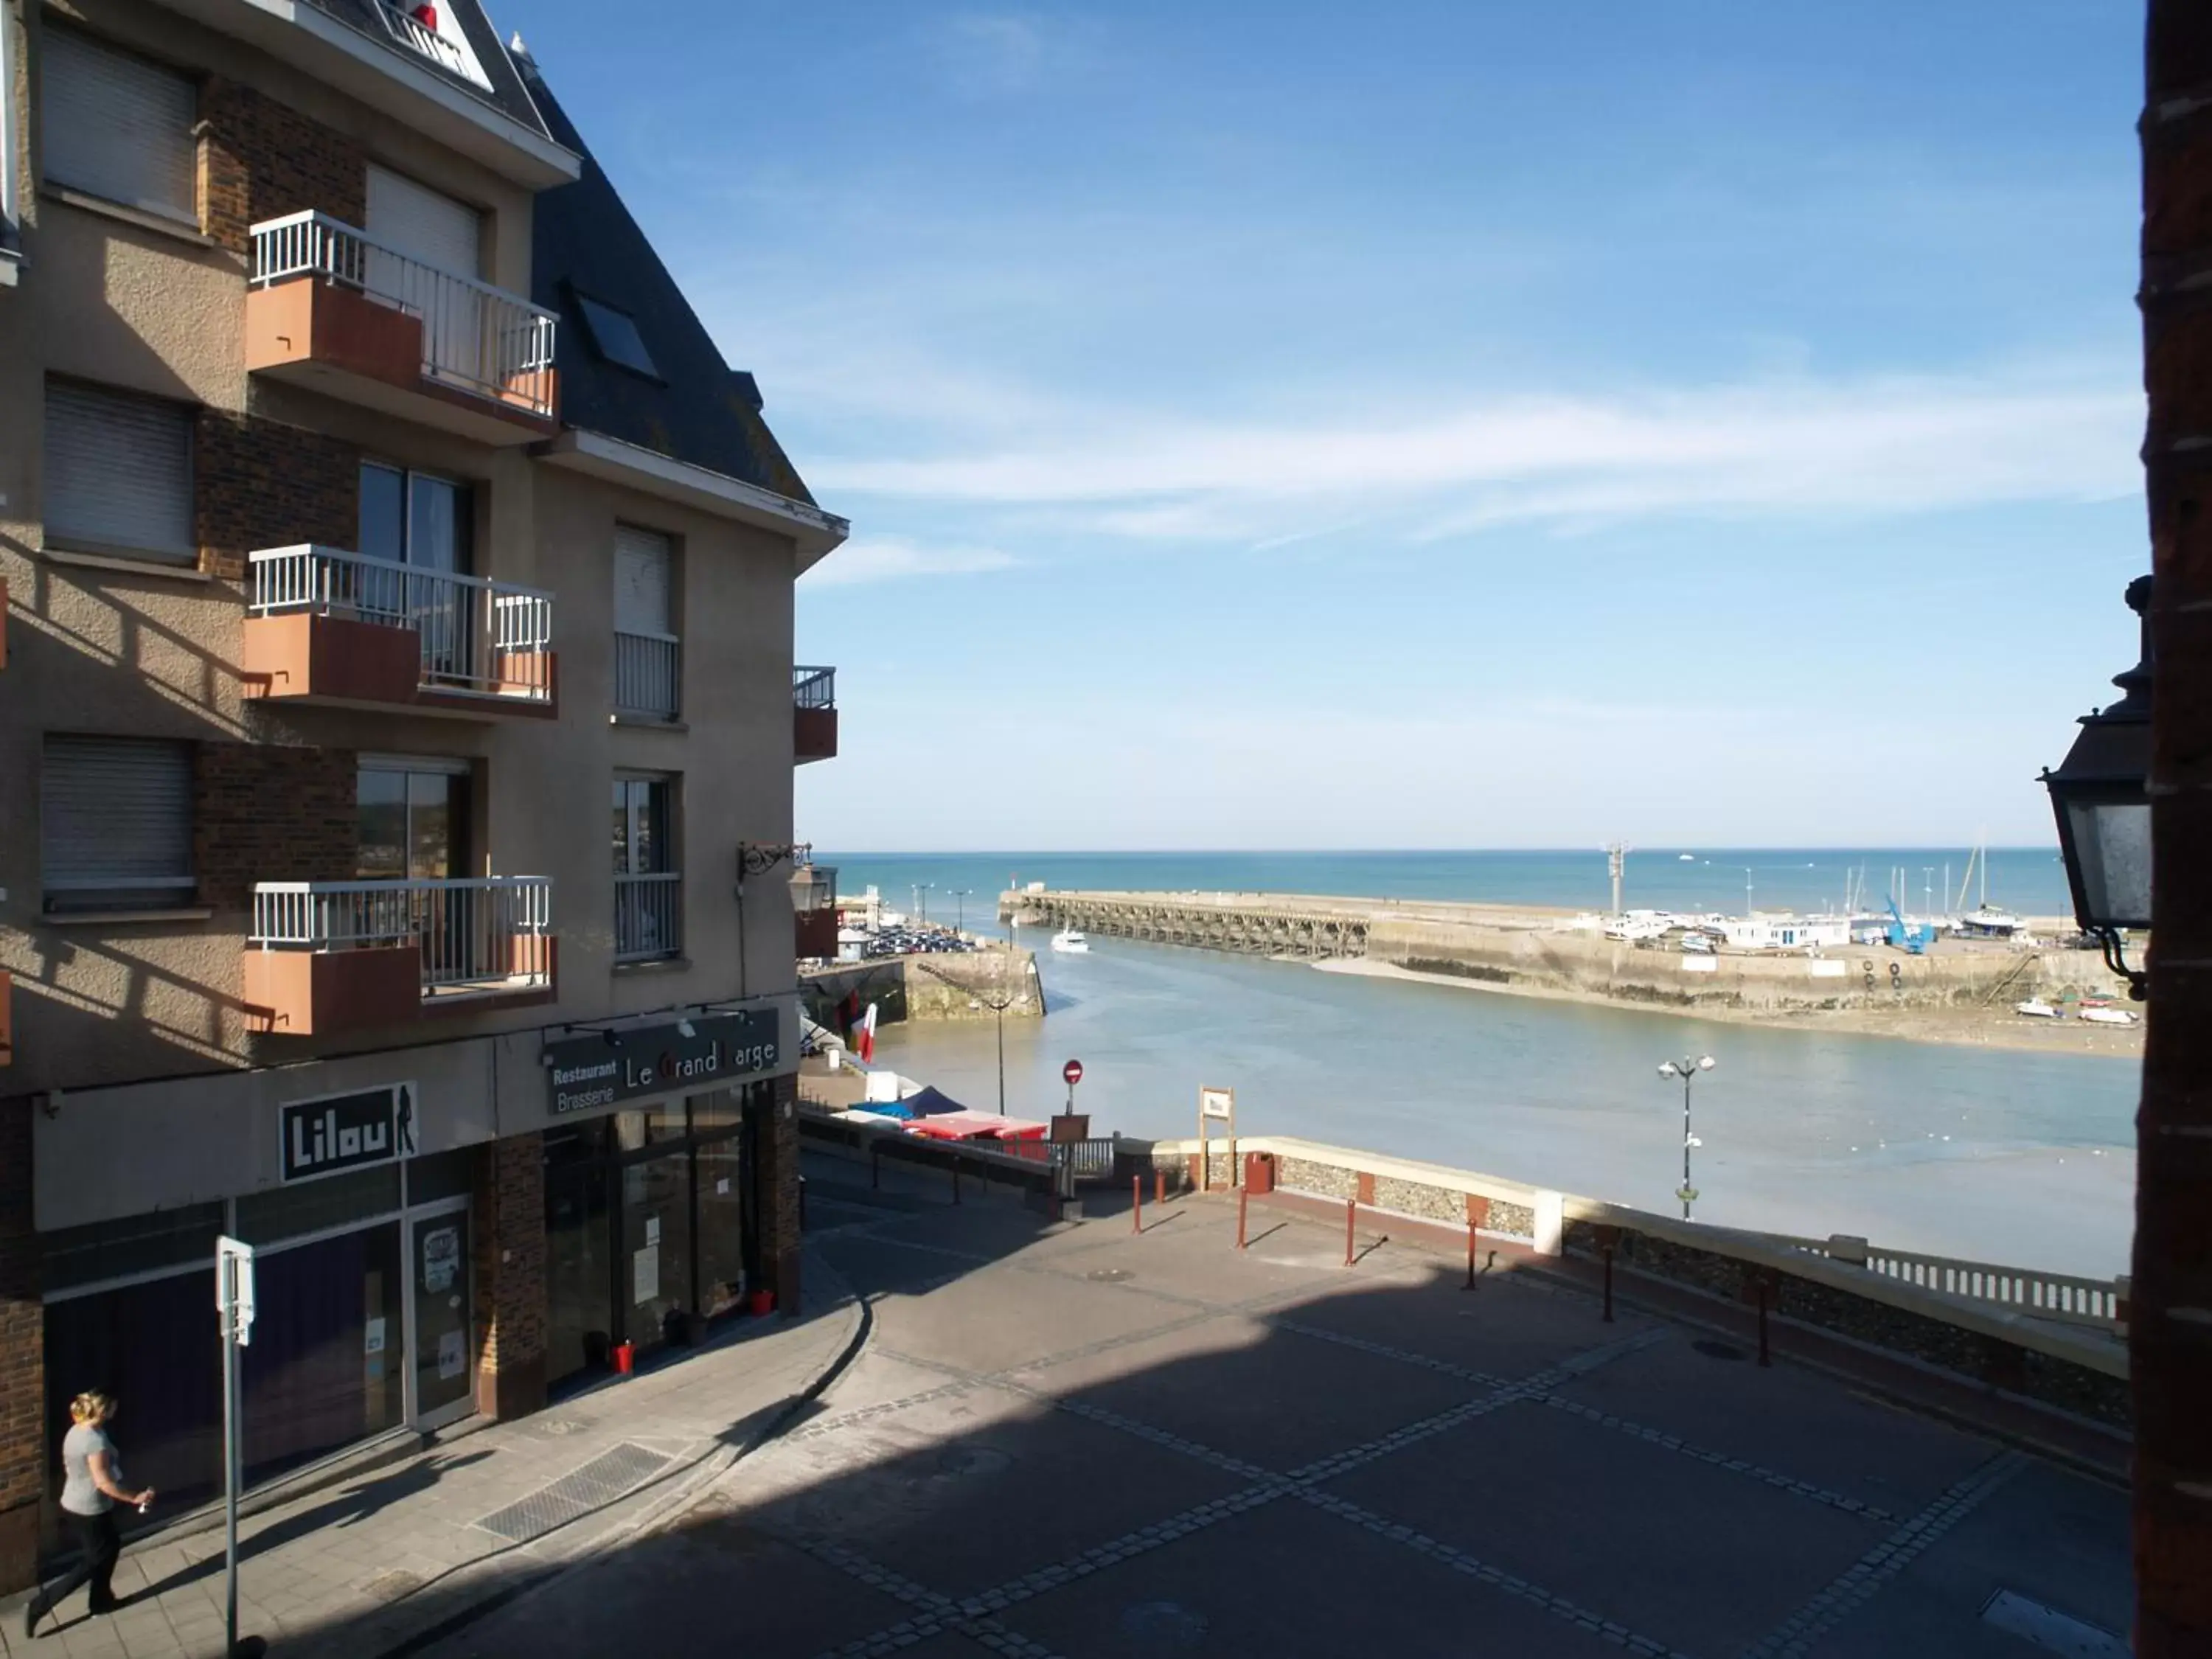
(382, 1564)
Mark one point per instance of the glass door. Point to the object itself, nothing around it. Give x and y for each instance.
(443, 1349)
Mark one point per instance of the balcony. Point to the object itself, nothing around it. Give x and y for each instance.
(648, 677)
(345, 956)
(648, 916)
(813, 714)
(325, 626)
(330, 308)
(814, 913)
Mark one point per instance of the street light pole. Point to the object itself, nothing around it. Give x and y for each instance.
(1686, 1069)
(960, 907)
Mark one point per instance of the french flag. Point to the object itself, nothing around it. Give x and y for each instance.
(866, 1031)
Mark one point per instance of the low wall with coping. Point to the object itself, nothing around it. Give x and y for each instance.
(1817, 1283)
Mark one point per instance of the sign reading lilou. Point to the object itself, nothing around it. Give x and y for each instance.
(345, 1132)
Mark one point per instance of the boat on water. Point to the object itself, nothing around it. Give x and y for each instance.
(1070, 940)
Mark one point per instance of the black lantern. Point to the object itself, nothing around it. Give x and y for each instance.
(2101, 796)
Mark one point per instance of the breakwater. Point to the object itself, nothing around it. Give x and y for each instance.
(947, 985)
(1555, 953)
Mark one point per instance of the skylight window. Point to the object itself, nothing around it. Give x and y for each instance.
(615, 336)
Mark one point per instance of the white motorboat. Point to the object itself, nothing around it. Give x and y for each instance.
(2108, 1015)
(2036, 1008)
(1070, 940)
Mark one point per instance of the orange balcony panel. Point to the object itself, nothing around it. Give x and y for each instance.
(814, 933)
(813, 734)
(314, 993)
(340, 342)
(7, 1019)
(305, 656)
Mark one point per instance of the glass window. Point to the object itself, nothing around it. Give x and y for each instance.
(715, 1113)
(614, 336)
(137, 1244)
(720, 1179)
(380, 808)
(269, 1218)
(411, 824)
(649, 1125)
(415, 518)
(654, 1273)
(328, 1360)
(640, 827)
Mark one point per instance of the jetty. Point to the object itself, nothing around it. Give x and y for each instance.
(1558, 952)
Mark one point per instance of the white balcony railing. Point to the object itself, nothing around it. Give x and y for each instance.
(813, 687)
(412, 32)
(648, 675)
(486, 638)
(475, 337)
(486, 933)
(648, 916)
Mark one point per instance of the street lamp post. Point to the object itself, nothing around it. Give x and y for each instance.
(960, 908)
(1686, 1070)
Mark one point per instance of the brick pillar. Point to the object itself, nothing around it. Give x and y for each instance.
(780, 1181)
(510, 1276)
(22, 1350)
(2170, 1334)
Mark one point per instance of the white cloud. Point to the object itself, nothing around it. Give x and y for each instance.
(889, 558)
(1888, 445)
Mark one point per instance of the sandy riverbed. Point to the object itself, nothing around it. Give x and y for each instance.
(1984, 1027)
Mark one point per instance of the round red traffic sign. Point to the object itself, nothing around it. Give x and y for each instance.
(1072, 1073)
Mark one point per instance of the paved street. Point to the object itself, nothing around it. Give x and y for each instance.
(1073, 1441)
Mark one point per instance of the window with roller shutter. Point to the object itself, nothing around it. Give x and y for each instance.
(119, 473)
(116, 126)
(115, 824)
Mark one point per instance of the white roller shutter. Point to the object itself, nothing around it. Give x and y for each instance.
(117, 127)
(415, 220)
(641, 568)
(118, 472)
(115, 820)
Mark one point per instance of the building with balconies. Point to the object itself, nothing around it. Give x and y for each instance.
(362, 474)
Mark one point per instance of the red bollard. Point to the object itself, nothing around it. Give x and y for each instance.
(1137, 1204)
(1763, 1358)
(1240, 1218)
(1159, 1186)
(1608, 1284)
(1351, 1214)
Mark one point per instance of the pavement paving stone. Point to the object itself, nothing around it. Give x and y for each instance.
(1697, 1556)
(1820, 1428)
(963, 1323)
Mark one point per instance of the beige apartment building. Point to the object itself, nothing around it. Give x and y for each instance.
(397, 717)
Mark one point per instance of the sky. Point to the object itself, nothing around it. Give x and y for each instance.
(1424, 425)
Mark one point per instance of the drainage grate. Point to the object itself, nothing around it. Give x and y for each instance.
(579, 1491)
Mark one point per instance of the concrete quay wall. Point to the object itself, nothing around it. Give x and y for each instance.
(932, 985)
(1530, 951)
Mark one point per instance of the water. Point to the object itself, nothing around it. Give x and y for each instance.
(2023, 1158)
(2030, 880)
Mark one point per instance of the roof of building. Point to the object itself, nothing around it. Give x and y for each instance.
(387, 25)
(634, 361)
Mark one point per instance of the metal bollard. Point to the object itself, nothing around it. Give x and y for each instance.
(1159, 1185)
(1470, 1255)
(1607, 1254)
(1351, 1214)
(1241, 1196)
(1137, 1204)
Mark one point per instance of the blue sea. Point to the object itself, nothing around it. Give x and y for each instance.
(2030, 880)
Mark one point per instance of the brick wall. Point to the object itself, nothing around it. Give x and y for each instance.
(264, 812)
(259, 160)
(779, 1226)
(510, 1276)
(260, 484)
(2170, 1341)
(22, 1369)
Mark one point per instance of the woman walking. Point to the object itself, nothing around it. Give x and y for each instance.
(92, 1489)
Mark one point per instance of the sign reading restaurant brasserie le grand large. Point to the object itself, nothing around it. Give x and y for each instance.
(603, 1068)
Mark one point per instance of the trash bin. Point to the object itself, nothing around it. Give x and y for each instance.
(1259, 1172)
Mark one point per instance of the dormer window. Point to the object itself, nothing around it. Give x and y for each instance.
(614, 336)
(434, 32)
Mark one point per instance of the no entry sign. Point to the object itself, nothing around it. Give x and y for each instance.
(1072, 1073)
